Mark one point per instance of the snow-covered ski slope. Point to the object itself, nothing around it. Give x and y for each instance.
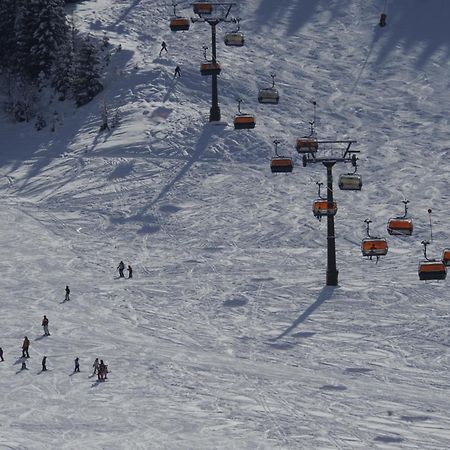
(227, 337)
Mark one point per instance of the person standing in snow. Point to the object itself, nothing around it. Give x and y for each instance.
(163, 47)
(177, 72)
(77, 365)
(95, 366)
(1, 354)
(25, 347)
(44, 364)
(130, 271)
(45, 326)
(67, 297)
(102, 371)
(121, 268)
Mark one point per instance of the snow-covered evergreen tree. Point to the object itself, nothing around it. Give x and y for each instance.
(50, 35)
(7, 41)
(86, 83)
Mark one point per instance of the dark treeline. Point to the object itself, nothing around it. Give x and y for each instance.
(40, 47)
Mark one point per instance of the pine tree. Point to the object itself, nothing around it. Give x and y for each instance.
(86, 84)
(7, 41)
(50, 34)
(25, 24)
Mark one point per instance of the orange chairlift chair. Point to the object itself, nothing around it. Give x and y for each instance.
(373, 246)
(178, 23)
(280, 164)
(243, 121)
(321, 207)
(402, 225)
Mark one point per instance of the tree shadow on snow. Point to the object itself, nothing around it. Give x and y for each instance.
(200, 147)
(325, 294)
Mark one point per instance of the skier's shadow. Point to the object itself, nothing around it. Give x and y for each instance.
(41, 337)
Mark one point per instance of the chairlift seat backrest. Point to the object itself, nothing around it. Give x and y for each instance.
(202, 8)
(244, 121)
(268, 95)
(210, 68)
(235, 39)
(400, 226)
(446, 257)
(281, 164)
(307, 145)
(374, 247)
(179, 24)
(350, 182)
(320, 208)
(432, 270)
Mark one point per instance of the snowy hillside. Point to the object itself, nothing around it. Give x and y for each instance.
(227, 337)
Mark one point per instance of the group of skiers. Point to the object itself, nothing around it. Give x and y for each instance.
(177, 72)
(100, 368)
(121, 268)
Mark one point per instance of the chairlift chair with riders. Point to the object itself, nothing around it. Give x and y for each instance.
(373, 246)
(350, 181)
(178, 23)
(402, 225)
(431, 269)
(243, 121)
(209, 67)
(308, 144)
(235, 38)
(269, 95)
(322, 208)
(280, 164)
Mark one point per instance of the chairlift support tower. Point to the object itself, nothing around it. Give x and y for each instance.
(213, 20)
(346, 156)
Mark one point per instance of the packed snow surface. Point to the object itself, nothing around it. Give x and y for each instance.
(227, 337)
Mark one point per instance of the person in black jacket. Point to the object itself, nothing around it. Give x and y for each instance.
(44, 364)
(25, 347)
(121, 268)
(67, 298)
(130, 271)
(1, 354)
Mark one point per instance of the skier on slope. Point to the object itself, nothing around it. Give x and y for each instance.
(121, 268)
(95, 366)
(25, 347)
(130, 271)
(44, 364)
(45, 326)
(77, 365)
(67, 297)
(1, 354)
(163, 47)
(177, 72)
